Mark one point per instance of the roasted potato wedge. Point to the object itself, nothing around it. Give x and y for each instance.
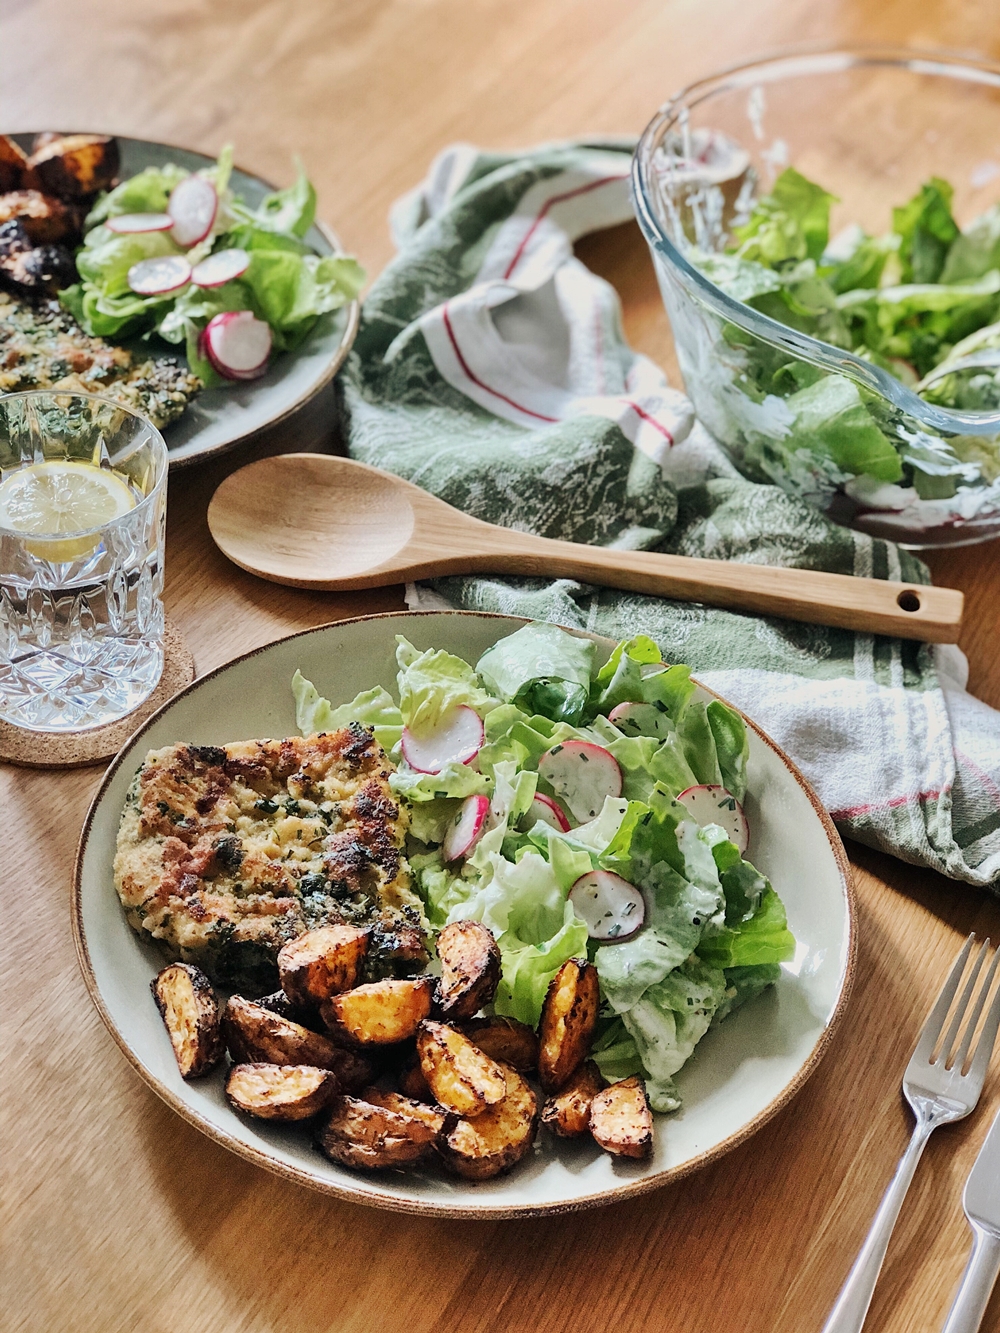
(322, 963)
(280, 1092)
(470, 969)
(380, 1013)
(569, 1017)
(397, 948)
(190, 1013)
(462, 1078)
(279, 1003)
(360, 1134)
(13, 164)
(496, 1140)
(506, 1040)
(412, 1083)
(255, 1035)
(620, 1119)
(567, 1112)
(392, 1101)
(76, 165)
(44, 218)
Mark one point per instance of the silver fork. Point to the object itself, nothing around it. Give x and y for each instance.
(938, 1092)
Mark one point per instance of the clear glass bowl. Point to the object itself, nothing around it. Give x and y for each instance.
(871, 126)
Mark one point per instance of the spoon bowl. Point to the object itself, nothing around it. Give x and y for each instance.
(320, 521)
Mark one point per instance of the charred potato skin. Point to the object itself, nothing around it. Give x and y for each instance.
(255, 1035)
(279, 1003)
(567, 1112)
(412, 1083)
(380, 1013)
(495, 1141)
(13, 164)
(569, 1017)
(460, 1076)
(75, 166)
(435, 1116)
(621, 1121)
(505, 1040)
(360, 1134)
(190, 1013)
(470, 969)
(280, 1092)
(322, 963)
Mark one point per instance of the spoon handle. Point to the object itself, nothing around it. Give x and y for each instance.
(874, 606)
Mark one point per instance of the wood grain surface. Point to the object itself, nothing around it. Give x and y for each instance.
(116, 1216)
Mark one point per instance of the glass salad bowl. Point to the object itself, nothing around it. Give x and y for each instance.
(865, 375)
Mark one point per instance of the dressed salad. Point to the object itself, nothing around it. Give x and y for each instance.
(582, 812)
(921, 301)
(179, 254)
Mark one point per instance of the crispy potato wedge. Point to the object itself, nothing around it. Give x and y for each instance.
(358, 1133)
(280, 1092)
(506, 1040)
(76, 165)
(321, 963)
(434, 1116)
(567, 1112)
(279, 1003)
(255, 1035)
(461, 1077)
(470, 969)
(190, 1013)
(495, 1141)
(380, 1013)
(13, 163)
(43, 217)
(412, 1083)
(620, 1119)
(569, 1017)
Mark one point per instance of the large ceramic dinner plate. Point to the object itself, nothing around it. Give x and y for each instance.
(220, 418)
(742, 1073)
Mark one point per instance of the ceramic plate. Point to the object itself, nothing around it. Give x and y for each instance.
(742, 1073)
(221, 418)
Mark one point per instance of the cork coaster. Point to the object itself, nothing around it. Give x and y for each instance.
(39, 749)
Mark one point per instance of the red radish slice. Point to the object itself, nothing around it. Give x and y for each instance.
(130, 224)
(714, 805)
(468, 827)
(193, 205)
(237, 344)
(545, 809)
(613, 908)
(457, 739)
(582, 774)
(159, 276)
(637, 719)
(223, 266)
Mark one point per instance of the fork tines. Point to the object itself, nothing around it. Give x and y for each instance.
(965, 1019)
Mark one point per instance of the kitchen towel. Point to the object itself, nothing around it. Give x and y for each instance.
(491, 369)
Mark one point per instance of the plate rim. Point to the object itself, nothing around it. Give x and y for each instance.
(352, 309)
(360, 1193)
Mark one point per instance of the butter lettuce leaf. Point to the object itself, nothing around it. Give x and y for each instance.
(542, 670)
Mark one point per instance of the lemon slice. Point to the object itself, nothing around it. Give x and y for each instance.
(56, 497)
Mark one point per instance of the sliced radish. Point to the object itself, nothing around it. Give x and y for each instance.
(129, 224)
(192, 206)
(468, 827)
(159, 276)
(637, 719)
(582, 774)
(613, 908)
(545, 809)
(714, 805)
(223, 266)
(457, 739)
(238, 345)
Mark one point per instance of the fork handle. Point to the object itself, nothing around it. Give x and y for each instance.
(972, 1298)
(848, 1315)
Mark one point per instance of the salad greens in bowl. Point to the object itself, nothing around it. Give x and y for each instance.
(693, 1002)
(825, 229)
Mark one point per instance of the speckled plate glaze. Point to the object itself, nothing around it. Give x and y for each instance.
(742, 1073)
(218, 419)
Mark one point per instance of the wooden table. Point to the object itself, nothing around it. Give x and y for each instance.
(117, 1216)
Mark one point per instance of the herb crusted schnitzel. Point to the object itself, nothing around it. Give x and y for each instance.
(225, 853)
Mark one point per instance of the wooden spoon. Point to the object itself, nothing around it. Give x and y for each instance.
(318, 521)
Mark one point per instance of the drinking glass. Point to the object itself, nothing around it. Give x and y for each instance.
(81, 611)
